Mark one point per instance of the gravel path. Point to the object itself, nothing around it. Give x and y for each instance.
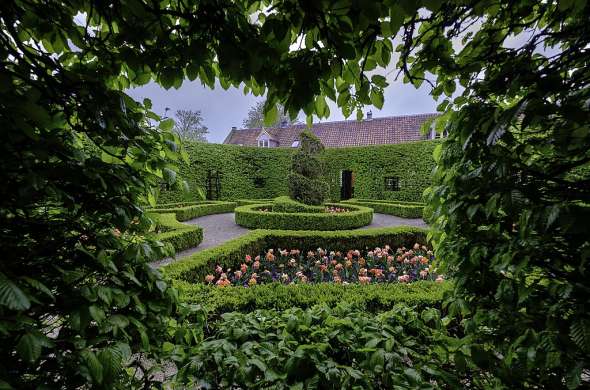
(219, 228)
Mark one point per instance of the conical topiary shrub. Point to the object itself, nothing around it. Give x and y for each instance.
(305, 184)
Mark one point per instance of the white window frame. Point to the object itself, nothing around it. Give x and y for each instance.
(263, 143)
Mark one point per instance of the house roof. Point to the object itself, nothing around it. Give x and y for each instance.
(376, 131)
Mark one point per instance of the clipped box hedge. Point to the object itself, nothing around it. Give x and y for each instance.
(372, 297)
(193, 268)
(284, 204)
(244, 202)
(184, 213)
(251, 217)
(399, 209)
(181, 236)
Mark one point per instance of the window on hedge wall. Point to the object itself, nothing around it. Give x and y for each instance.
(392, 183)
(259, 182)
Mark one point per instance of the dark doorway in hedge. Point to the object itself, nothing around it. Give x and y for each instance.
(213, 184)
(347, 185)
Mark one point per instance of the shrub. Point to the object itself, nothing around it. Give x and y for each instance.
(198, 210)
(254, 218)
(372, 297)
(305, 180)
(339, 348)
(179, 235)
(230, 254)
(399, 209)
(284, 204)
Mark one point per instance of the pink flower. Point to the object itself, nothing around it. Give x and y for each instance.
(439, 279)
(403, 278)
(218, 269)
(423, 274)
(243, 268)
(248, 258)
(238, 274)
(209, 278)
(256, 264)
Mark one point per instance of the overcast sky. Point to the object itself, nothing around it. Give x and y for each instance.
(223, 109)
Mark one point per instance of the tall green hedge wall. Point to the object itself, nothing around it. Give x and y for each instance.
(252, 173)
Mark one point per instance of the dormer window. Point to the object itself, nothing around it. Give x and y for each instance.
(263, 143)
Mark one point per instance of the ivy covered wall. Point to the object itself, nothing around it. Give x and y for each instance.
(256, 173)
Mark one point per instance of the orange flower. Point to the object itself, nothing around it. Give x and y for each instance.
(338, 266)
(362, 262)
(364, 279)
(348, 264)
(363, 271)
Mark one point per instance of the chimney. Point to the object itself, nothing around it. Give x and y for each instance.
(234, 128)
(369, 115)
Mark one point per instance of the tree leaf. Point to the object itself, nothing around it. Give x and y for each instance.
(12, 296)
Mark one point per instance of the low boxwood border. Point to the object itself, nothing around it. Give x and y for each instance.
(373, 297)
(250, 217)
(181, 236)
(193, 268)
(198, 210)
(398, 209)
(284, 204)
(244, 202)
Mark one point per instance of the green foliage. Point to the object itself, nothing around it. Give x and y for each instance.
(254, 217)
(397, 208)
(196, 209)
(244, 202)
(179, 235)
(340, 348)
(511, 193)
(305, 180)
(244, 172)
(284, 204)
(230, 254)
(373, 297)
(250, 173)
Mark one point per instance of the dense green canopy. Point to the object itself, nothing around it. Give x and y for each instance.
(79, 156)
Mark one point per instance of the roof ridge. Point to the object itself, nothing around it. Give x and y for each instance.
(340, 121)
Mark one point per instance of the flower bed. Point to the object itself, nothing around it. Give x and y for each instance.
(262, 216)
(193, 268)
(381, 265)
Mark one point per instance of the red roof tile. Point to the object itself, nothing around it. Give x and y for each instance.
(377, 131)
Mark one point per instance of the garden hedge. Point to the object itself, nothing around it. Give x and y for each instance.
(284, 204)
(243, 202)
(198, 209)
(372, 297)
(397, 208)
(193, 268)
(251, 172)
(252, 217)
(181, 236)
